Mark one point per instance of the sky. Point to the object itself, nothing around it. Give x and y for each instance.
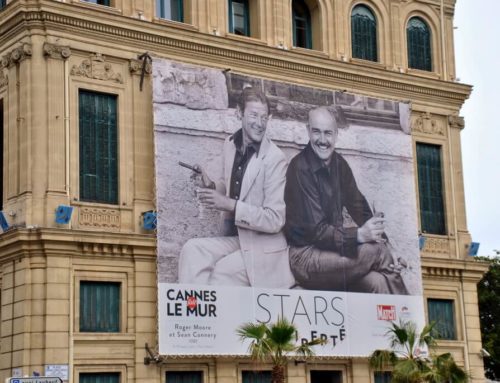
(477, 54)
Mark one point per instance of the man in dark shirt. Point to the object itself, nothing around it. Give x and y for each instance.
(325, 253)
(249, 192)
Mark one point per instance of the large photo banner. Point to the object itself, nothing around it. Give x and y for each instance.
(277, 200)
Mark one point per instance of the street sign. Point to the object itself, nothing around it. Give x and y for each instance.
(57, 370)
(36, 379)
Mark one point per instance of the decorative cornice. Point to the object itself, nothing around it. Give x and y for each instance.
(466, 270)
(56, 51)
(92, 248)
(456, 122)
(16, 55)
(208, 47)
(425, 123)
(441, 272)
(135, 67)
(96, 68)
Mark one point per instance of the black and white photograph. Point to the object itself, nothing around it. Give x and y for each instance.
(267, 184)
(275, 199)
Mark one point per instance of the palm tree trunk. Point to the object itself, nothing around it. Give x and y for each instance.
(278, 374)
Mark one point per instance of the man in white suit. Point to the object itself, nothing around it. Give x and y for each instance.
(250, 194)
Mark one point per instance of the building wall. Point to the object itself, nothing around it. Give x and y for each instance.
(50, 49)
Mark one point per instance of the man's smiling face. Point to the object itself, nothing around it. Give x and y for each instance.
(322, 129)
(254, 121)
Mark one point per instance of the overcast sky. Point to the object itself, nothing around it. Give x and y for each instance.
(478, 63)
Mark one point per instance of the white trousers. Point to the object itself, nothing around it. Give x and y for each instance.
(213, 261)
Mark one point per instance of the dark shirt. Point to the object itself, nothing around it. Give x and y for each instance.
(315, 196)
(241, 159)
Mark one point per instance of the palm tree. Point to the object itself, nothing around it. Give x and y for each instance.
(410, 363)
(275, 342)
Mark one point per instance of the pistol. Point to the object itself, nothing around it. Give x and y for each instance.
(190, 167)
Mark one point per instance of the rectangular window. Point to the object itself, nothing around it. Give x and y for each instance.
(100, 2)
(239, 19)
(326, 376)
(430, 188)
(382, 376)
(99, 306)
(99, 377)
(98, 147)
(256, 376)
(1, 154)
(442, 312)
(3, 3)
(170, 10)
(184, 376)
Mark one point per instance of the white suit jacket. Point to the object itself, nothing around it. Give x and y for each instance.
(260, 214)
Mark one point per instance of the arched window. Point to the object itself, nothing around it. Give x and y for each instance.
(302, 33)
(364, 33)
(418, 36)
(170, 9)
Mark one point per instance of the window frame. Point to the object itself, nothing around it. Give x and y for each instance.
(184, 367)
(307, 22)
(94, 327)
(375, 49)
(180, 17)
(173, 371)
(246, 17)
(335, 366)
(422, 221)
(384, 372)
(98, 199)
(431, 66)
(95, 2)
(256, 371)
(99, 373)
(94, 276)
(455, 331)
(99, 368)
(3, 147)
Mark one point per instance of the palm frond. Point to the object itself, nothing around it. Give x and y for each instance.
(445, 369)
(409, 371)
(251, 331)
(426, 337)
(382, 359)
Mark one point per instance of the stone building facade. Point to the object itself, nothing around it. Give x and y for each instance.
(50, 49)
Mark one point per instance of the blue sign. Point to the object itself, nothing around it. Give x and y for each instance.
(63, 214)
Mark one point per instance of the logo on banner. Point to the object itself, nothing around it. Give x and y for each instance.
(198, 303)
(386, 312)
(405, 313)
(191, 303)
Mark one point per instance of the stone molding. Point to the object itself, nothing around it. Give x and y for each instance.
(99, 218)
(441, 272)
(425, 123)
(377, 80)
(16, 55)
(90, 248)
(56, 51)
(456, 122)
(135, 67)
(96, 67)
(436, 246)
